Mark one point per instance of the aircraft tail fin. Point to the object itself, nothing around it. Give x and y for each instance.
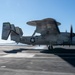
(16, 35)
(6, 30)
(10, 29)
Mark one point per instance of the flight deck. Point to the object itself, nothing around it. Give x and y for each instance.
(35, 60)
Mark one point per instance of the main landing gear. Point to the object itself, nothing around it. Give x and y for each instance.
(50, 47)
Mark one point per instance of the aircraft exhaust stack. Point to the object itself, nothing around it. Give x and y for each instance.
(10, 29)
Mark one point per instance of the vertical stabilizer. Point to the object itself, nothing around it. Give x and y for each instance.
(6, 30)
(16, 35)
(14, 32)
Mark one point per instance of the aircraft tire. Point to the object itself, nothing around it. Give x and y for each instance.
(50, 47)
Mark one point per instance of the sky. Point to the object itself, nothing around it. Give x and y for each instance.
(18, 12)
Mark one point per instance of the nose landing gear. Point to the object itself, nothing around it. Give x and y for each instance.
(50, 47)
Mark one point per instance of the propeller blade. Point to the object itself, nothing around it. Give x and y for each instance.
(71, 33)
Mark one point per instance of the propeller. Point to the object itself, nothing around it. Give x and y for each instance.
(71, 33)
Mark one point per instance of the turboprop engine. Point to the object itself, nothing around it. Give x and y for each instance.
(10, 29)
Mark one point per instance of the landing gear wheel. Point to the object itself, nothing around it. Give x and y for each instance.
(50, 47)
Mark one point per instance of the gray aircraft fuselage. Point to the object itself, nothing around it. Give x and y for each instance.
(60, 39)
